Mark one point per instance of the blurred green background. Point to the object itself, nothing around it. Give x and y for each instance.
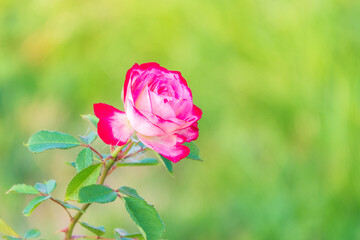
(278, 82)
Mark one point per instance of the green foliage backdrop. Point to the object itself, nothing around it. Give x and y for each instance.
(278, 82)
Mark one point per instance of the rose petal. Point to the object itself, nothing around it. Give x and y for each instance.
(135, 71)
(190, 133)
(140, 123)
(178, 75)
(168, 145)
(143, 101)
(168, 126)
(195, 115)
(161, 107)
(183, 108)
(139, 82)
(113, 127)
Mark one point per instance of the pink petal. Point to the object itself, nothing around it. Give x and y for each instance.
(197, 112)
(143, 101)
(140, 123)
(136, 71)
(128, 80)
(190, 133)
(183, 108)
(139, 82)
(168, 145)
(168, 126)
(149, 65)
(178, 75)
(195, 115)
(161, 107)
(113, 127)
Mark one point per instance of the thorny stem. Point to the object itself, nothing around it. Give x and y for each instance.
(133, 154)
(101, 181)
(56, 201)
(126, 157)
(96, 152)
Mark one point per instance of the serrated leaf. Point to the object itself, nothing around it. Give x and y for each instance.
(84, 159)
(194, 151)
(167, 164)
(50, 186)
(91, 118)
(32, 233)
(121, 234)
(45, 140)
(46, 187)
(83, 178)
(145, 217)
(91, 137)
(7, 230)
(34, 203)
(96, 193)
(137, 236)
(40, 187)
(128, 191)
(22, 189)
(135, 163)
(70, 206)
(98, 231)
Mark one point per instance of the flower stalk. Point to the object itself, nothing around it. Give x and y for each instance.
(101, 181)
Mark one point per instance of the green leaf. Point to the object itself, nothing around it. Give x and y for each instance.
(91, 118)
(23, 189)
(7, 230)
(145, 217)
(167, 164)
(34, 204)
(96, 193)
(33, 233)
(84, 159)
(98, 231)
(121, 234)
(135, 235)
(46, 187)
(91, 137)
(50, 186)
(70, 206)
(83, 178)
(135, 163)
(40, 187)
(45, 140)
(194, 151)
(128, 191)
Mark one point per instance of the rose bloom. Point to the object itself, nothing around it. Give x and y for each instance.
(158, 108)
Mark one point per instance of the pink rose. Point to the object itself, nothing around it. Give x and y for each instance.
(158, 108)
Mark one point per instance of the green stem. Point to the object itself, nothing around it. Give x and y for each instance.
(76, 218)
